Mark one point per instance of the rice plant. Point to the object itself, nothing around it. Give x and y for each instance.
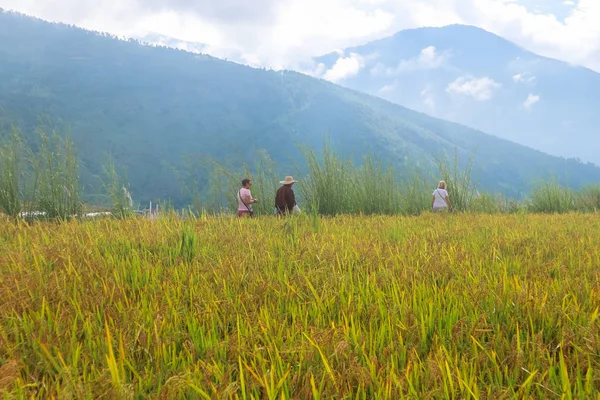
(469, 306)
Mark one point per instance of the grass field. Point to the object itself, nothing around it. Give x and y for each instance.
(437, 306)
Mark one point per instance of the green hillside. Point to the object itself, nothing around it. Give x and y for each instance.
(151, 107)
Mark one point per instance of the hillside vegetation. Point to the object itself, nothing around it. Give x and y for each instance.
(155, 109)
(42, 181)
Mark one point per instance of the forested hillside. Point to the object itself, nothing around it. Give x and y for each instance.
(150, 108)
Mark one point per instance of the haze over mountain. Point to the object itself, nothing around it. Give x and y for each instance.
(150, 107)
(467, 75)
(166, 41)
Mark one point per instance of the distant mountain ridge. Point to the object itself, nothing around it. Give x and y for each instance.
(473, 77)
(151, 107)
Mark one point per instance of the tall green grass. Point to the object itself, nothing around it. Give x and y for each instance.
(44, 177)
(494, 204)
(459, 183)
(56, 192)
(336, 186)
(225, 183)
(551, 197)
(589, 199)
(11, 159)
(40, 178)
(118, 193)
(416, 188)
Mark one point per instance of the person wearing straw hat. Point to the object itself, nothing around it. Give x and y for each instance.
(285, 199)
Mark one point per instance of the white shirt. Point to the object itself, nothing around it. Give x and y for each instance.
(243, 193)
(439, 195)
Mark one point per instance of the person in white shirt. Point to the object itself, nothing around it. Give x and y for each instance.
(245, 199)
(440, 201)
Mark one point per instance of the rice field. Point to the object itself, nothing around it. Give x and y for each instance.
(461, 306)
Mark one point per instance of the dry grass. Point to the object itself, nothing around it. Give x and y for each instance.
(454, 306)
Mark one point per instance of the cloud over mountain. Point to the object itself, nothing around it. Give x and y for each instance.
(481, 89)
(286, 32)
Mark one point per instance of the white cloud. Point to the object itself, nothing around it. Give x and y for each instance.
(389, 91)
(288, 34)
(386, 89)
(524, 78)
(428, 59)
(320, 70)
(481, 89)
(576, 39)
(531, 100)
(379, 69)
(158, 40)
(311, 69)
(345, 67)
(281, 33)
(428, 97)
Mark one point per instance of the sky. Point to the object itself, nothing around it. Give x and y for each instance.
(287, 33)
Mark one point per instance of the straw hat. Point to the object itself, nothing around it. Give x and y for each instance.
(288, 180)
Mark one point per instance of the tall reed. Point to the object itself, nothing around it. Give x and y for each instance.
(225, 182)
(416, 189)
(589, 199)
(10, 175)
(336, 186)
(551, 197)
(118, 192)
(56, 191)
(459, 181)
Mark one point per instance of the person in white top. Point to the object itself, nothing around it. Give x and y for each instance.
(245, 200)
(440, 200)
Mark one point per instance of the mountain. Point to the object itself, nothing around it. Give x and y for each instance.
(151, 107)
(467, 75)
